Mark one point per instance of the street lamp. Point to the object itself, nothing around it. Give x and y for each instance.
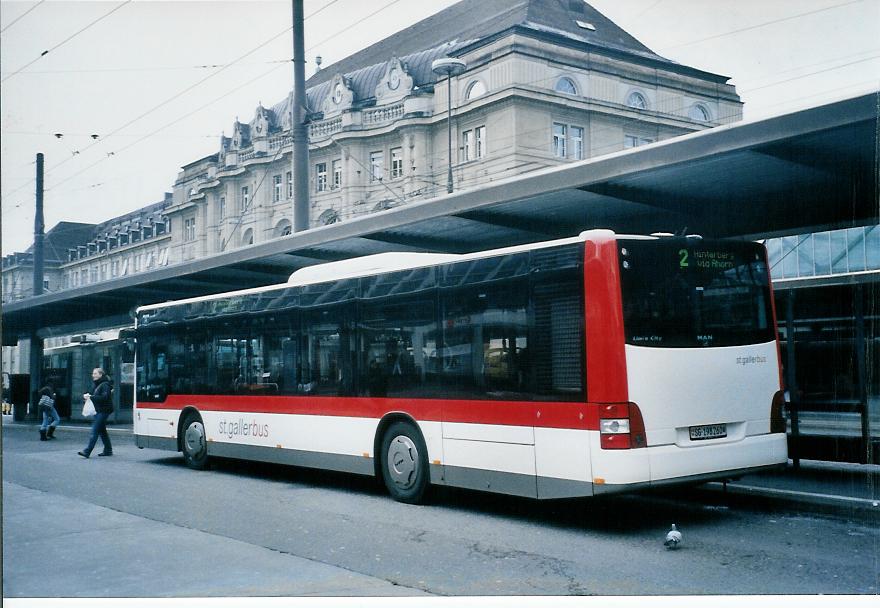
(448, 66)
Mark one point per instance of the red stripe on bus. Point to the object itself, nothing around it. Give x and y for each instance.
(603, 311)
(547, 414)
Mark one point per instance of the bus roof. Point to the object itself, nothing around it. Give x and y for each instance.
(369, 265)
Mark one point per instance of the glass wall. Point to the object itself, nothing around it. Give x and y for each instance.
(823, 253)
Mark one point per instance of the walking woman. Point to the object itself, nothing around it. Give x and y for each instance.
(104, 407)
(50, 414)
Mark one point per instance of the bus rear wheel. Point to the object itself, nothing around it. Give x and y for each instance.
(404, 463)
(194, 442)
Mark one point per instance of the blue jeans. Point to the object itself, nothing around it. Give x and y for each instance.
(99, 427)
(50, 417)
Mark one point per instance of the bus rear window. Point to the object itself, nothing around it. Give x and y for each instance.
(691, 293)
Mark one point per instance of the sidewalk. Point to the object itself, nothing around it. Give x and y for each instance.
(835, 487)
(69, 425)
(819, 485)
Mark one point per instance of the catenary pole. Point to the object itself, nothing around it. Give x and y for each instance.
(35, 359)
(300, 135)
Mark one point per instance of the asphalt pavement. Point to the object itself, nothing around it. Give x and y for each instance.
(142, 524)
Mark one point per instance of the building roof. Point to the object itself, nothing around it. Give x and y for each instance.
(472, 22)
(62, 237)
(69, 235)
(150, 212)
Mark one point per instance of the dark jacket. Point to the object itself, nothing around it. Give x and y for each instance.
(101, 395)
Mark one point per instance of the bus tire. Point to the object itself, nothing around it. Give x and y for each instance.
(194, 442)
(404, 461)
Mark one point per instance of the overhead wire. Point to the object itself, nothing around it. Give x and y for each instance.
(208, 66)
(20, 17)
(168, 68)
(103, 159)
(116, 130)
(759, 25)
(66, 40)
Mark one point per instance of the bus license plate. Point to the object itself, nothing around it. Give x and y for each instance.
(708, 431)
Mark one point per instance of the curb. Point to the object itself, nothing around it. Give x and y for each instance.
(826, 503)
(76, 428)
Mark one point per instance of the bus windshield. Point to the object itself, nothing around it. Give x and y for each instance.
(681, 292)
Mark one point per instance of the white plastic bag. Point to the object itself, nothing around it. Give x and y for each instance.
(89, 408)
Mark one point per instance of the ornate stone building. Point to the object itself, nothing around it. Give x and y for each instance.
(546, 82)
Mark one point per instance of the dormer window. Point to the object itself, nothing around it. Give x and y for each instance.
(147, 232)
(637, 100)
(123, 239)
(700, 113)
(566, 85)
(474, 90)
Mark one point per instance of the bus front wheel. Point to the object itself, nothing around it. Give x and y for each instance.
(194, 442)
(404, 463)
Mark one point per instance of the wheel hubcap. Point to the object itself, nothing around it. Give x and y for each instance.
(194, 439)
(403, 461)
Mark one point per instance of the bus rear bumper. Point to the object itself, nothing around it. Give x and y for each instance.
(670, 464)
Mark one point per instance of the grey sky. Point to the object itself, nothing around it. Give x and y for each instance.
(781, 54)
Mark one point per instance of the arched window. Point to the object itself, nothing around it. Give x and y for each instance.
(637, 100)
(329, 216)
(283, 228)
(566, 85)
(700, 112)
(248, 237)
(474, 90)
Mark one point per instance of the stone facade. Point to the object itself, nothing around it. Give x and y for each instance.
(531, 97)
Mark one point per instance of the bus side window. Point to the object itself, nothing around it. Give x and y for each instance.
(156, 382)
(397, 328)
(279, 355)
(485, 339)
(327, 355)
(399, 346)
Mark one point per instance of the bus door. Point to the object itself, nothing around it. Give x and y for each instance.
(488, 417)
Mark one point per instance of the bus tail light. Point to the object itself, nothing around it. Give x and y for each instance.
(621, 427)
(777, 420)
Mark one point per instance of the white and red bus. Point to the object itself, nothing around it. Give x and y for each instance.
(595, 364)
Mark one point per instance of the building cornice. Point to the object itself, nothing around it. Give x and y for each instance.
(582, 45)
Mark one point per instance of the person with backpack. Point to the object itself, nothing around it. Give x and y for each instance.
(49, 413)
(103, 402)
